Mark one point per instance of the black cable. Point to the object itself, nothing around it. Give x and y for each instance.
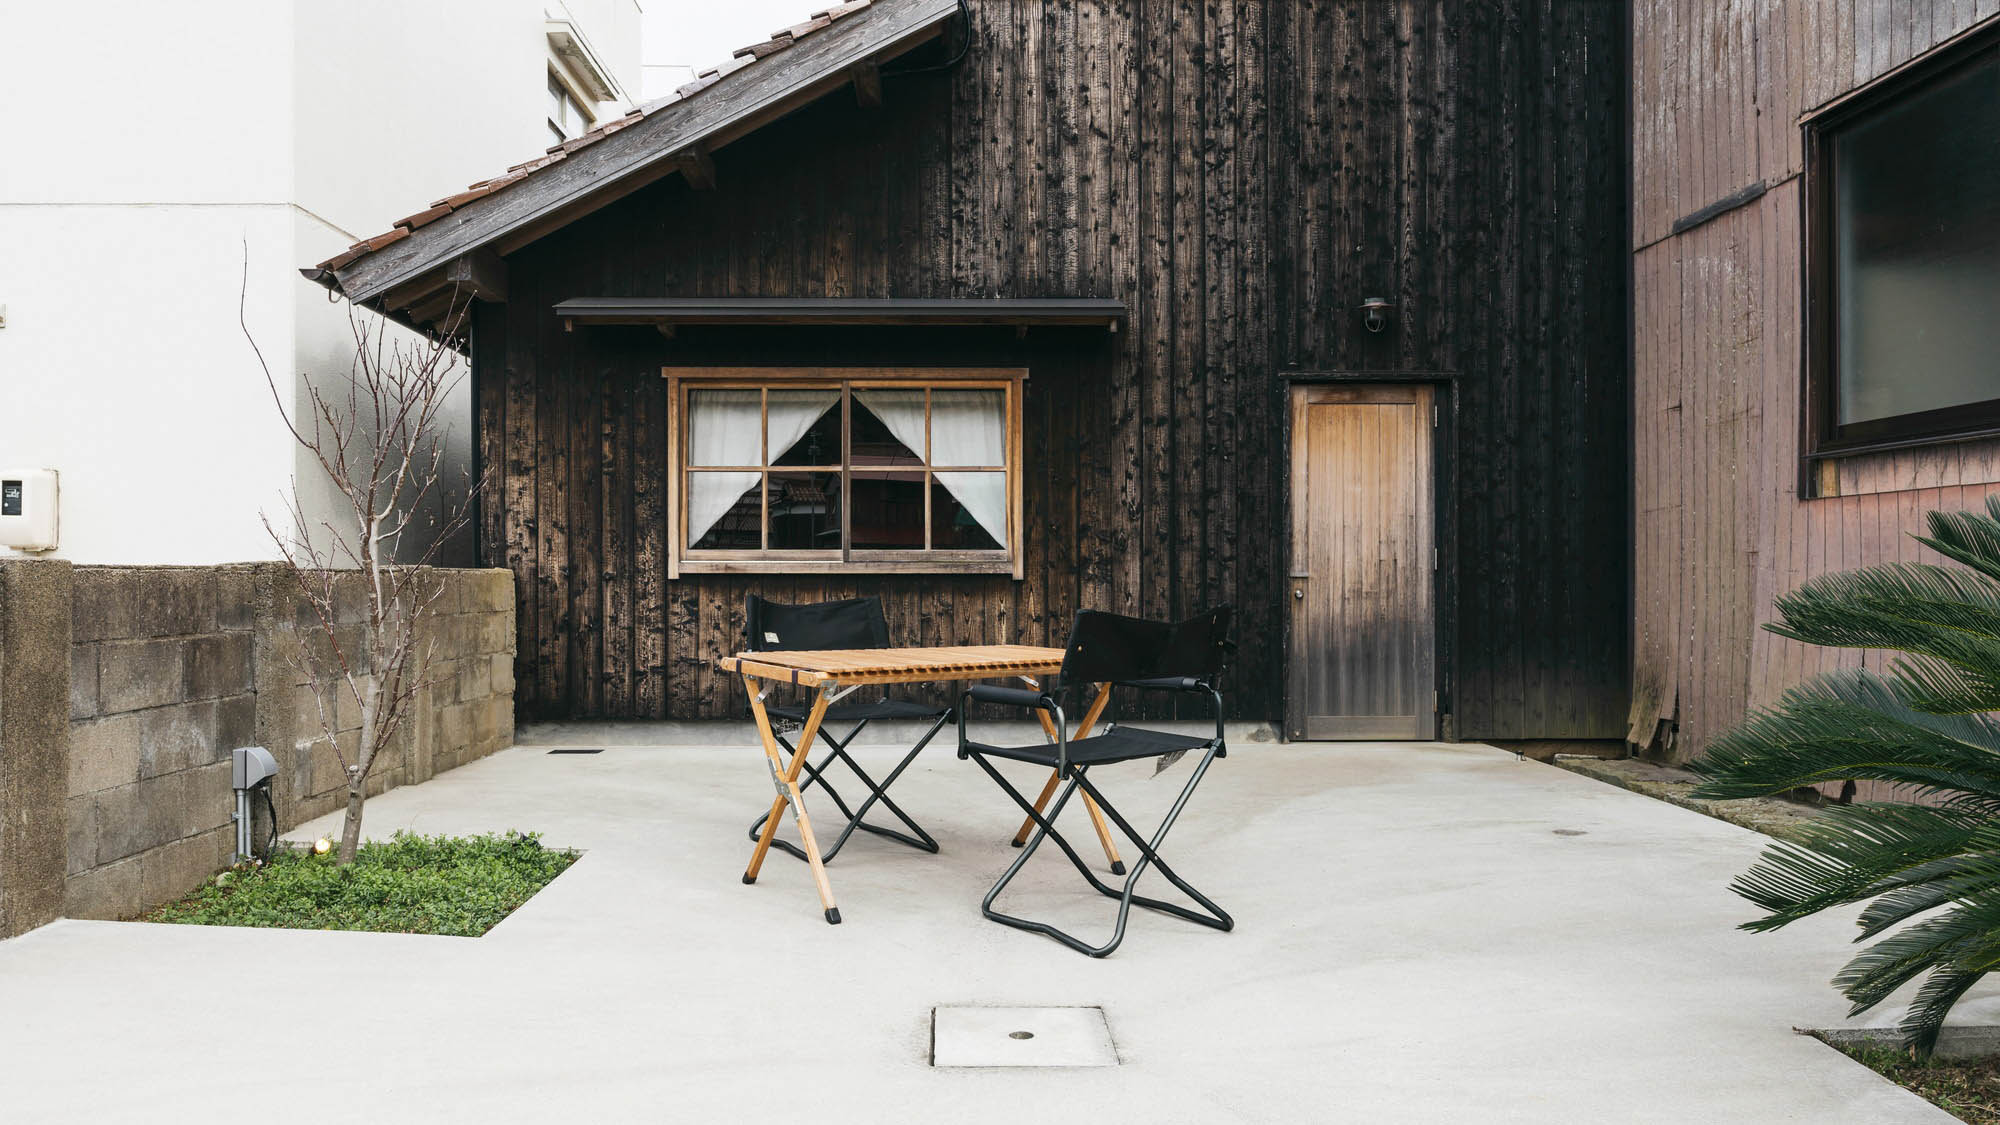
(965, 21)
(270, 845)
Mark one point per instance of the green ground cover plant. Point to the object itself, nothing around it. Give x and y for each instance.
(409, 884)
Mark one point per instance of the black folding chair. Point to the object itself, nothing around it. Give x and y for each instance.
(1123, 653)
(850, 623)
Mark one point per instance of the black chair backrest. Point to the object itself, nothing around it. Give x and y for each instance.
(848, 623)
(1107, 646)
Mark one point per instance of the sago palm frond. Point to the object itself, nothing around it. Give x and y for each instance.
(1852, 725)
(1928, 875)
(1949, 619)
(1968, 538)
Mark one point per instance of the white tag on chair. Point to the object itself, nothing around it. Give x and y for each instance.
(1168, 759)
(770, 638)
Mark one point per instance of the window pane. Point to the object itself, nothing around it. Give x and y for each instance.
(725, 511)
(805, 511)
(887, 512)
(725, 427)
(805, 427)
(969, 511)
(888, 427)
(1916, 261)
(968, 427)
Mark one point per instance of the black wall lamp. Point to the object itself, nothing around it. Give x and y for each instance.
(1375, 312)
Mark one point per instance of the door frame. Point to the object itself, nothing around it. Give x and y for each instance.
(1444, 533)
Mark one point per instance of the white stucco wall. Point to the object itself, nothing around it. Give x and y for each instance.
(151, 146)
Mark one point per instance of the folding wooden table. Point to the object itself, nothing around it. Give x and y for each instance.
(833, 673)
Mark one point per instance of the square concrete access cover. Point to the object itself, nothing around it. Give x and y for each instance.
(972, 1036)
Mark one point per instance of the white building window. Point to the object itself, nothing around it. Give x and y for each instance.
(567, 117)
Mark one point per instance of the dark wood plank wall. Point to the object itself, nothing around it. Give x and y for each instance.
(1721, 529)
(1241, 174)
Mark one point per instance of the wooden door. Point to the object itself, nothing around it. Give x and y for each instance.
(1363, 659)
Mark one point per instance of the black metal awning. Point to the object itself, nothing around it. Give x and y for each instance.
(1022, 312)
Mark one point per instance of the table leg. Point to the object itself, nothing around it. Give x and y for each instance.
(787, 776)
(1090, 717)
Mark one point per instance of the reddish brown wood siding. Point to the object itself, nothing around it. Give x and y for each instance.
(1721, 529)
(1241, 175)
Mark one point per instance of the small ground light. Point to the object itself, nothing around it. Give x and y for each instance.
(322, 846)
(1020, 1035)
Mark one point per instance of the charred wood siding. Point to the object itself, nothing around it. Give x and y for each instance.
(1241, 174)
(1721, 528)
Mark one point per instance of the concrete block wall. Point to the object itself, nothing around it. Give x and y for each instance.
(115, 757)
(161, 688)
(466, 712)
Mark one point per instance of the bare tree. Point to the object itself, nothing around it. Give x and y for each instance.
(379, 436)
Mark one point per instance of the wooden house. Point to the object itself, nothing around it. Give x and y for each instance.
(1816, 224)
(1002, 309)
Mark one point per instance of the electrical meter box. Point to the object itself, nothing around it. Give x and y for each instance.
(28, 509)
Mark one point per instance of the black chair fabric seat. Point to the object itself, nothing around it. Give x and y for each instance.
(860, 711)
(1119, 744)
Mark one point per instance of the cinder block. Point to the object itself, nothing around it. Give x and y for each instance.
(475, 679)
(136, 818)
(503, 673)
(110, 892)
(170, 873)
(132, 675)
(104, 753)
(125, 602)
(174, 601)
(207, 801)
(454, 730)
(494, 590)
(82, 681)
(496, 633)
(172, 739)
(240, 592)
(218, 665)
(92, 616)
(488, 717)
(235, 724)
(82, 833)
(326, 773)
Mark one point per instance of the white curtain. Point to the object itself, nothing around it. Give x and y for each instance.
(725, 428)
(901, 411)
(792, 413)
(711, 495)
(967, 428)
(985, 498)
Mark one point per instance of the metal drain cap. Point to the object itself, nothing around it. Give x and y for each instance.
(981, 1036)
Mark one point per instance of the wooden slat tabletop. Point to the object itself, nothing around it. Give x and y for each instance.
(896, 665)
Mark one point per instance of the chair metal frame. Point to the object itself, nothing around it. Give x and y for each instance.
(922, 841)
(816, 775)
(1075, 774)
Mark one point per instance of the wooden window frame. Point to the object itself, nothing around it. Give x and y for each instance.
(683, 560)
(1824, 436)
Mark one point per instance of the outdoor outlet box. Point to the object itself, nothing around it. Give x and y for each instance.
(28, 509)
(249, 765)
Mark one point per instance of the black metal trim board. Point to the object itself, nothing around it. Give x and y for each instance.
(1067, 311)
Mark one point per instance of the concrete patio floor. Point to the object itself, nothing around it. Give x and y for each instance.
(1414, 942)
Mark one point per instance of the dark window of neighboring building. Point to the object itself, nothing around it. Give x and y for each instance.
(1903, 249)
